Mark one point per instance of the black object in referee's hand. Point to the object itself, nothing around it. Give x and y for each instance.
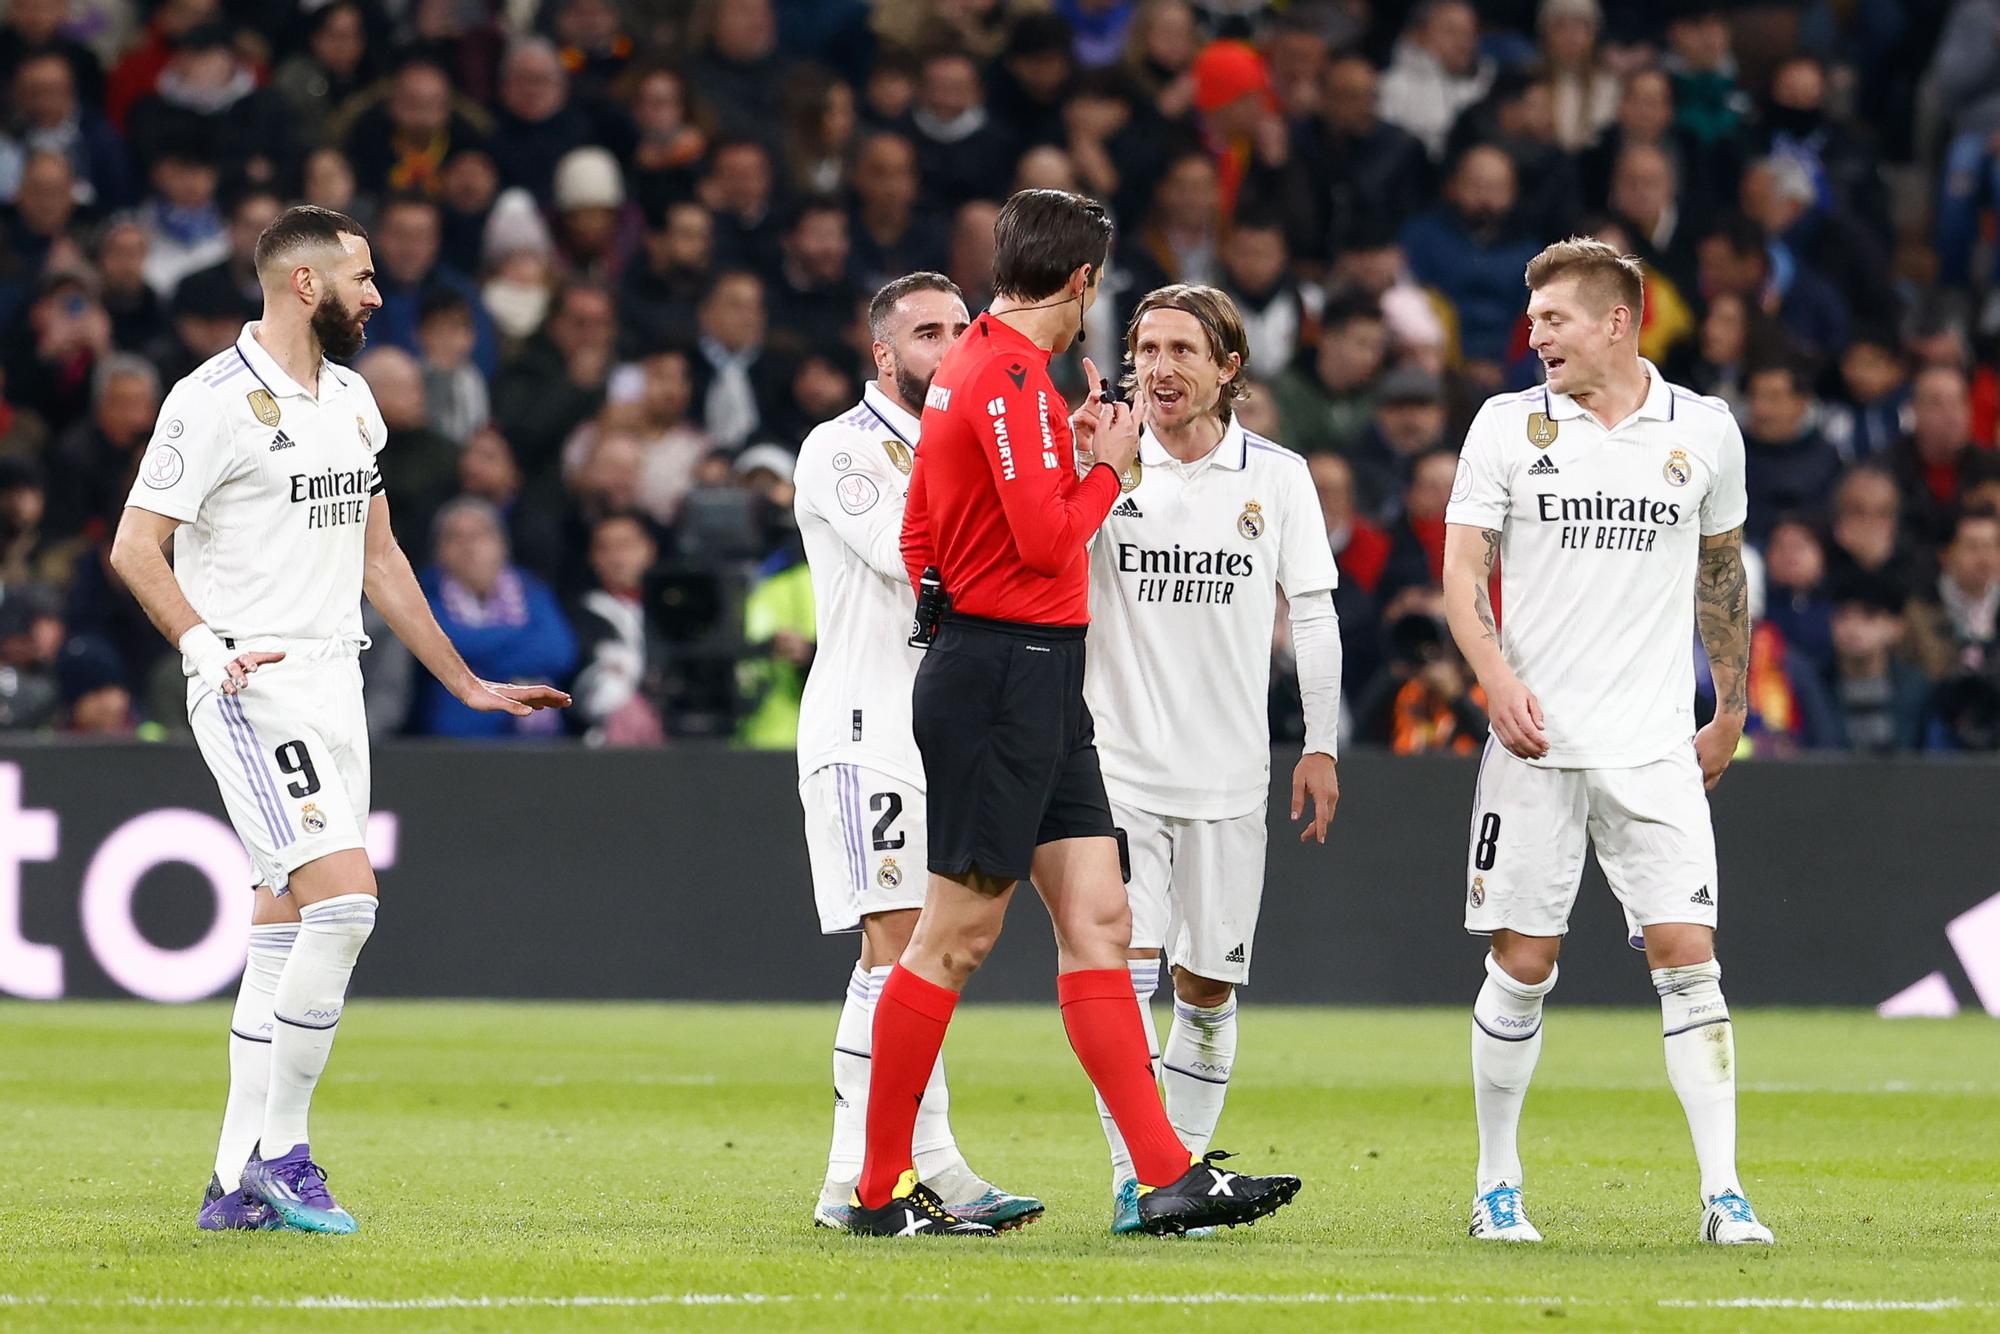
(931, 607)
(1108, 392)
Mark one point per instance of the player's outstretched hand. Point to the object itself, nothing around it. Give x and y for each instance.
(1715, 746)
(496, 697)
(1516, 716)
(1315, 777)
(238, 669)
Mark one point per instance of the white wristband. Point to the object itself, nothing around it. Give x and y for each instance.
(204, 649)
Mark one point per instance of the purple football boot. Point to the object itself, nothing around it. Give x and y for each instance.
(237, 1210)
(294, 1186)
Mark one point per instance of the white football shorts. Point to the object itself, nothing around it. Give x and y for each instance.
(1530, 826)
(865, 837)
(1196, 888)
(290, 753)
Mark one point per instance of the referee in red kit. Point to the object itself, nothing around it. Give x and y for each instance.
(997, 510)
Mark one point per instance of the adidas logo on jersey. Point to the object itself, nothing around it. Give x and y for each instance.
(281, 441)
(1234, 956)
(1126, 509)
(1701, 897)
(1544, 467)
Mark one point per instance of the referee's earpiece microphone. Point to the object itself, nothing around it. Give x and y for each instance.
(1081, 332)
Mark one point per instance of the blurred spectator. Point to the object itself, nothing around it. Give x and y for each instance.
(1032, 79)
(1237, 118)
(487, 471)
(1296, 51)
(1437, 72)
(1582, 82)
(33, 28)
(53, 354)
(1708, 103)
(138, 73)
(819, 132)
(502, 619)
(184, 228)
(1182, 233)
(1802, 228)
(813, 300)
(1409, 422)
(738, 192)
(672, 137)
(1045, 167)
(1362, 552)
(47, 117)
(1328, 395)
(31, 637)
(650, 400)
(595, 230)
(1953, 625)
(95, 698)
(1425, 701)
(1878, 699)
(333, 68)
(1789, 464)
(1868, 534)
(1930, 462)
(328, 180)
(36, 230)
(557, 382)
(1964, 79)
(468, 194)
(778, 631)
(962, 152)
(537, 121)
(30, 551)
(593, 43)
(138, 315)
(736, 70)
(619, 689)
(1278, 311)
(400, 142)
(889, 237)
(1733, 257)
(96, 458)
(1164, 40)
(738, 383)
(198, 329)
(208, 94)
(1352, 166)
(1467, 250)
(420, 466)
(1645, 193)
(1416, 539)
(1875, 397)
(1102, 28)
(233, 279)
(23, 432)
(1518, 118)
(406, 244)
(657, 299)
(1795, 590)
(1839, 163)
(970, 259)
(454, 390)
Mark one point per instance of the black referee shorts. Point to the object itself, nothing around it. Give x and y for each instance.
(1010, 753)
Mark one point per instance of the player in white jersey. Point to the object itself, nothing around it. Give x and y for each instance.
(1184, 582)
(262, 469)
(861, 779)
(1615, 503)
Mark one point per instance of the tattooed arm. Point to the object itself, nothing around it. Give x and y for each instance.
(1469, 556)
(1722, 612)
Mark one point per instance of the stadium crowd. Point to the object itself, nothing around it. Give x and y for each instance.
(625, 250)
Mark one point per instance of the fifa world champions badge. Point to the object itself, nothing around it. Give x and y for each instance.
(1541, 431)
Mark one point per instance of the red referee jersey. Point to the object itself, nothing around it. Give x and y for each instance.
(994, 499)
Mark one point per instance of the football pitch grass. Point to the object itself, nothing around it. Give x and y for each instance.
(596, 1167)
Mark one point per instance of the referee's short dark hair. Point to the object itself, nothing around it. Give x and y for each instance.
(1043, 236)
(1611, 278)
(884, 303)
(301, 227)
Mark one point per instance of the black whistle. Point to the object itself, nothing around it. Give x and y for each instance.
(1109, 392)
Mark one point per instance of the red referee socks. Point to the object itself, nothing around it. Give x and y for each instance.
(1102, 1018)
(911, 1016)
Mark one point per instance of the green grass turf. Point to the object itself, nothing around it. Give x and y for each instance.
(672, 1153)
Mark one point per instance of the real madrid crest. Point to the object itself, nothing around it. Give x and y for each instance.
(899, 454)
(1677, 470)
(1250, 522)
(889, 875)
(1130, 476)
(1478, 891)
(264, 406)
(312, 819)
(361, 425)
(1541, 431)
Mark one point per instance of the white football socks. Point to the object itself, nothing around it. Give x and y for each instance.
(250, 1049)
(933, 1146)
(1506, 1041)
(311, 992)
(1701, 1065)
(1145, 981)
(1201, 1051)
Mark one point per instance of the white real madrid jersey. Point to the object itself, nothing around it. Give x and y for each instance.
(1600, 536)
(272, 488)
(852, 477)
(1184, 580)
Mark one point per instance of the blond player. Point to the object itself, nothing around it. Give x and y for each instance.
(262, 470)
(860, 777)
(1615, 503)
(1184, 581)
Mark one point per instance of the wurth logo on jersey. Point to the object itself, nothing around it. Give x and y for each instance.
(1048, 436)
(997, 410)
(939, 397)
(338, 496)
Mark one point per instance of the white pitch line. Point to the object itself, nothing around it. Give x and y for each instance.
(1137, 1299)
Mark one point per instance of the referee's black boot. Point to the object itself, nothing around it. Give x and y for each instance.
(1210, 1196)
(913, 1210)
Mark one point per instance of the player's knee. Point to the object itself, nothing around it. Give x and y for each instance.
(1203, 992)
(1530, 961)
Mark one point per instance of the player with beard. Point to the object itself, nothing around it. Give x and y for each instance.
(860, 777)
(262, 469)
